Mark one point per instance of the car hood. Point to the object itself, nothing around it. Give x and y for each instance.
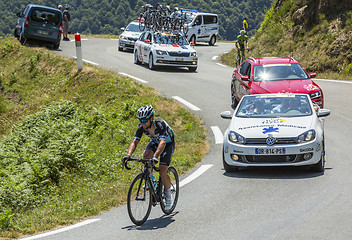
(278, 127)
(292, 86)
(131, 34)
(174, 47)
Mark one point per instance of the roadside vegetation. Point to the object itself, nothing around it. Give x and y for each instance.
(63, 133)
(317, 34)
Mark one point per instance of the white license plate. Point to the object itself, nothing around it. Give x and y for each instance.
(43, 32)
(179, 59)
(270, 151)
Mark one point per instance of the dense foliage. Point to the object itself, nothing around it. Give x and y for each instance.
(108, 16)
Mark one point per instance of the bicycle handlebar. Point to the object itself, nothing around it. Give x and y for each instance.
(142, 160)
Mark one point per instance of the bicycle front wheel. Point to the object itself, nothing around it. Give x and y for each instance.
(174, 191)
(139, 200)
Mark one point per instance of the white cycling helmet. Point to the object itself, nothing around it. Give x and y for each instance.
(146, 112)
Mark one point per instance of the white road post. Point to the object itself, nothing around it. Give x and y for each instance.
(79, 51)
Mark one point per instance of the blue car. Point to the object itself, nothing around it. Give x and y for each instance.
(39, 23)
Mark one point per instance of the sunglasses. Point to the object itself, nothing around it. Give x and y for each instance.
(144, 120)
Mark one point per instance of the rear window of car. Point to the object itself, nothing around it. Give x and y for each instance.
(210, 19)
(45, 16)
(277, 72)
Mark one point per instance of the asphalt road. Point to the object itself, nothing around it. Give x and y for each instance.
(256, 203)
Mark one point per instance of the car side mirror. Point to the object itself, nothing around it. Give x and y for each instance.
(192, 43)
(312, 75)
(123, 29)
(323, 112)
(18, 14)
(245, 78)
(147, 41)
(226, 115)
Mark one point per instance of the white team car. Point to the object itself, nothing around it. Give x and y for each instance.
(165, 49)
(275, 130)
(129, 36)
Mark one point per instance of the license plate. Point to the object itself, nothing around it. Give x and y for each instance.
(270, 151)
(43, 32)
(179, 59)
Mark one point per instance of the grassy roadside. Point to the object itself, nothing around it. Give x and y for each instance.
(63, 133)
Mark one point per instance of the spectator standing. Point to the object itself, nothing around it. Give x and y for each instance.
(60, 7)
(245, 25)
(66, 22)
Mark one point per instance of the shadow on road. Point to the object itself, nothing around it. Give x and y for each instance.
(275, 173)
(154, 224)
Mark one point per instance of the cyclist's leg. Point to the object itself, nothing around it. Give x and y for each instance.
(165, 159)
(149, 151)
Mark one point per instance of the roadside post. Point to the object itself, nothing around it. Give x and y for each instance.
(78, 51)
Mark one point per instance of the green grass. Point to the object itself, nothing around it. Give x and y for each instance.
(63, 133)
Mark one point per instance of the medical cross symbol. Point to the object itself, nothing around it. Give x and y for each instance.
(270, 129)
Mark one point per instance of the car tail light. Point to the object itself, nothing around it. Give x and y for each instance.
(26, 22)
(60, 29)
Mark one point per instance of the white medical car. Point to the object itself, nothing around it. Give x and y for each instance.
(201, 26)
(165, 49)
(275, 130)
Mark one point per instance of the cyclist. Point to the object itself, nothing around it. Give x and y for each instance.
(241, 40)
(162, 145)
(245, 25)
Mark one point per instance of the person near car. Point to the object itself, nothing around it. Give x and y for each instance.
(60, 7)
(66, 21)
(242, 39)
(162, 144)
(284, 106)
(245, 25)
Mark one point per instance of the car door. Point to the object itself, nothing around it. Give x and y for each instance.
(146, 46)
(210, 23)
(244, 85)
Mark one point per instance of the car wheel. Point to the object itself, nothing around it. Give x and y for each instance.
(192, 69)
(136, 60)
(15, 33)
(193, 39)
(22, 40)
(320, 166)
(233, 97)
(56, 45)
(227, 167)
(212, 40)
(151, 63)
(119, 48)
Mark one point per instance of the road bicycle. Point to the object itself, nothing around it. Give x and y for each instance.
(143, 193)
(240, 57)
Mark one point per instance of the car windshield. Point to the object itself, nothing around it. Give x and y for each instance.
(166, 38)
(277, 72)
(277, 105)
(133, 28)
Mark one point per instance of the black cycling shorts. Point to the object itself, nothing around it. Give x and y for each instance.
(166, 155)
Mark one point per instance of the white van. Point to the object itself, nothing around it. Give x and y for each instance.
(202, 27)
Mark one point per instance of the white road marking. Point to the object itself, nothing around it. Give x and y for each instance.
(329, 80)
(87, 61)
(188, 104)
(196, 174)
(219, 137)
(61, 229)
(214, 58)
(222, 65)
(135, 78)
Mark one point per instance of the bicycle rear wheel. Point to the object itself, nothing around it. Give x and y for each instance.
(139, 200)
(174, 191)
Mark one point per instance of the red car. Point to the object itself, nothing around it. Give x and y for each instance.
(273, 75)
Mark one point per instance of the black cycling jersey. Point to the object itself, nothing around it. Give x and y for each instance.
(161, 131)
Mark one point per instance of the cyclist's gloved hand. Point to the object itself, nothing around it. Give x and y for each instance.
(126, 158)
(155, 159)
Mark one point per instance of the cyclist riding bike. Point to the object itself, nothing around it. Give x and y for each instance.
(241, 40)
(162, 145)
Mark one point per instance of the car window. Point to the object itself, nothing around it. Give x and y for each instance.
(244, 68)
(276, 72)
(45, 16)
(149, 37)
(198, 20)
(288, 105)
(133, 28)
(141, 37)
(210, 19)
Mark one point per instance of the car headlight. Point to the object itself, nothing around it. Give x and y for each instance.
(315, 95)
(306, 136)
(161, 52)
(236, 138)
(193, 54)
(123, 37)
